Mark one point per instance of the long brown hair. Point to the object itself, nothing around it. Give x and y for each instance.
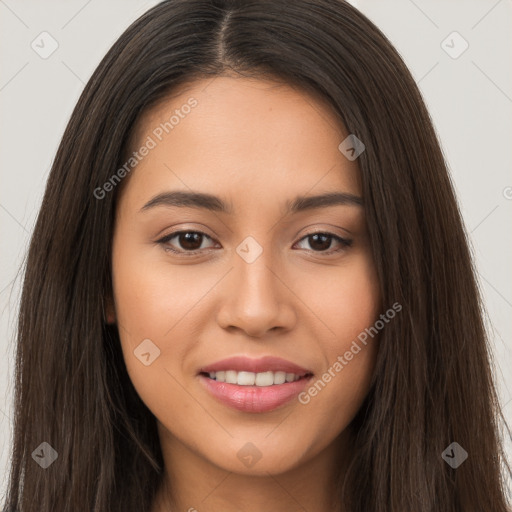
(433, 382)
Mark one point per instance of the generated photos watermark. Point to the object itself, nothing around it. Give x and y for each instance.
(150, 143)
(355, 348)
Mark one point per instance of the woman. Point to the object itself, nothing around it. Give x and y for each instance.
(249, 286)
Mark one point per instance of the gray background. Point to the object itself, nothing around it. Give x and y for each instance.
(469, 98)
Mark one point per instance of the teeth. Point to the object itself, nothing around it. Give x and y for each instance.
(280, 377)
(262, 379)
(231, 377)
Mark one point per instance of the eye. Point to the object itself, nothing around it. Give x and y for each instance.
(320, 241)
(188, 241)
(191, 242)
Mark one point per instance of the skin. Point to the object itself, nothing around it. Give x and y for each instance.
(255, 144)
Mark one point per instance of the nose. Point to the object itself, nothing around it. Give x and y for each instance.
(256, 298)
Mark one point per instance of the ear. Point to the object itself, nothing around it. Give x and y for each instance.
(109, 311)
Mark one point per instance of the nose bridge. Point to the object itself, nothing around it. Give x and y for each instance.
(256, 282)
(257, 299)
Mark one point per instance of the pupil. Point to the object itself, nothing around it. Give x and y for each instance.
(323, 246)
(189, 240)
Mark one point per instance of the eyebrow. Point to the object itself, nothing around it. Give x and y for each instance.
(213, 203)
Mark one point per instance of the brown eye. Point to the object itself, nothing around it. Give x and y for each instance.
(321, 242)
(190, 241)
(186, 241)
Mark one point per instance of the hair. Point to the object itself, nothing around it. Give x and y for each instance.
(433, 381)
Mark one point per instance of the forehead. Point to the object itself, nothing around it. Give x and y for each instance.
(241, 138)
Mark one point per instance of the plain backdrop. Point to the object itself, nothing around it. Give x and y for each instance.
(467, 90)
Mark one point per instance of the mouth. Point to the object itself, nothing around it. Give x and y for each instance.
(254, 385)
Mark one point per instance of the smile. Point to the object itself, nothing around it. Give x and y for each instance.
(262, 379)
(254, 385)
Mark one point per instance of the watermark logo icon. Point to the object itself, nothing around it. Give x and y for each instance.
(45, 455)
(351, 147)
(249, 249)
(454, 45)
(146, 352)
(249, 455)
(454, 455)
(44, 45)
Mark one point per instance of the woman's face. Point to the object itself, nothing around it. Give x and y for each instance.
(247, 279)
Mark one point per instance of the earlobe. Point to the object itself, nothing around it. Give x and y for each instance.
(109, 312)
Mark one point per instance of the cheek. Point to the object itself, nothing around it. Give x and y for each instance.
(162, 303)
(345, 301)
(349, 308)
(147, 313)
(151, 298)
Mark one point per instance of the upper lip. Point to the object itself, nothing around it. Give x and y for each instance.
(263, 364)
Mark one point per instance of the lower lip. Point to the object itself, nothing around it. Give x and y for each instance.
(254, 398)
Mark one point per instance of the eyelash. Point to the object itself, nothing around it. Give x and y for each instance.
(344, 242)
